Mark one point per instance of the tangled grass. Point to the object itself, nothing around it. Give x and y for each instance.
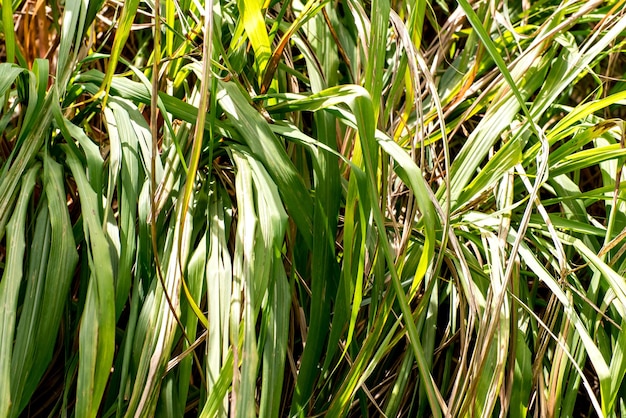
(350, 208)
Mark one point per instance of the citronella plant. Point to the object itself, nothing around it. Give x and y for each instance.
(290, 209)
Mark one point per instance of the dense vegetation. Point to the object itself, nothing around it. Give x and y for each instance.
(349, 208)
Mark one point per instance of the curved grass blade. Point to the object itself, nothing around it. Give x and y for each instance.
(129, 10)
(252, 19)
(10, 285)
(50, 276)
(97, 332)
(198, 139)
(124, 130)
(13, 169)
(219, 283)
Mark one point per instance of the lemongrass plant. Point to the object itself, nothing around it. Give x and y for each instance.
(348, 208)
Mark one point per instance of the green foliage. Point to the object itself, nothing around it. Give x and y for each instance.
(336, 209)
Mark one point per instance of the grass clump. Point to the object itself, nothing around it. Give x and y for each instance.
(304, 209)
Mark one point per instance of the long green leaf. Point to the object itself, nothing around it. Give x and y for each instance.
(10, 285)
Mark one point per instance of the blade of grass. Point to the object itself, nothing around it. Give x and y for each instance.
(31, 144)
(46, 292)
(97, 333)
(200, 127)
(129, 10)
(252, 19)
(9, 34)
(11, 283)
